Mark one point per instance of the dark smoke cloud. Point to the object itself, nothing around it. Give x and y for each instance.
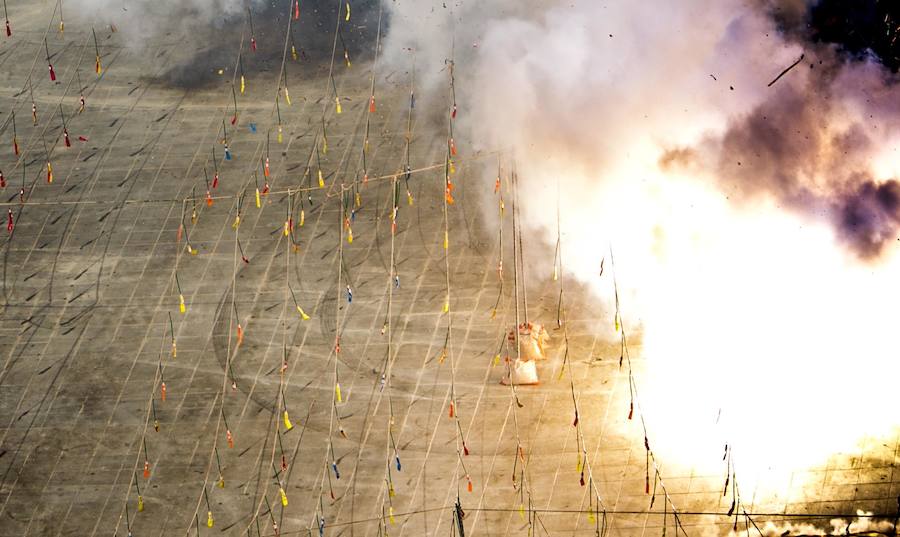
(810, 143)
(210, 31)
(798, 148)
(860, 29)
(869, 217)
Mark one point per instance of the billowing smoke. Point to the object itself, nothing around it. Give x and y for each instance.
(754, 224)
(809, 148)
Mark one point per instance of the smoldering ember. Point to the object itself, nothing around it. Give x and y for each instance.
(463, 267)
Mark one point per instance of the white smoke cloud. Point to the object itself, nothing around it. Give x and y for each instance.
(863, 524)
(757, 322)
(142, 20)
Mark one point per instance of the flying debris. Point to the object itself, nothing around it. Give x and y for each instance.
(788, 68)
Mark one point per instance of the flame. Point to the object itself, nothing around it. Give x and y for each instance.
(756, 328)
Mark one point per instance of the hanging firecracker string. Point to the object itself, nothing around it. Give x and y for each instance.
(337, 99)
(252, 33)
(344, 46)
(215, 182)
(181, 306)
(209, 198)
(146, 460)
(49, 64)
(225, 141)
(334, 464)
(6, 14)
(632, 386)
(127, 518)
(62, 24)
(182, 230)
(140, 497)
(221, 480)
(98, 64)
(229, 437)
(271, 516)
(289, 221)
(15, 138)
(451, 66)
(153, 412)
(266, 165)
(303, 314)
(288, 425)
(234, 116)
(287, 93)
(280, 138)
(320, 512)
(81, 88)
(241, 71)
(319, 174)
(172, 331)
(500, 245)
(241, 250)
(34, 118)
(209, 515)
(66, 139)
(162, 384)
(294, 54)
(256, 191)
(240, 329)
(237, 216)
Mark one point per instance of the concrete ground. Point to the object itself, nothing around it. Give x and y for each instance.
(89, 281)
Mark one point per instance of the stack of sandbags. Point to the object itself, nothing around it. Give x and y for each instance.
(530, 346)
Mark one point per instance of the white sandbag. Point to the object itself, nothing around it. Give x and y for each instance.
(532, 337)
(523, 373)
